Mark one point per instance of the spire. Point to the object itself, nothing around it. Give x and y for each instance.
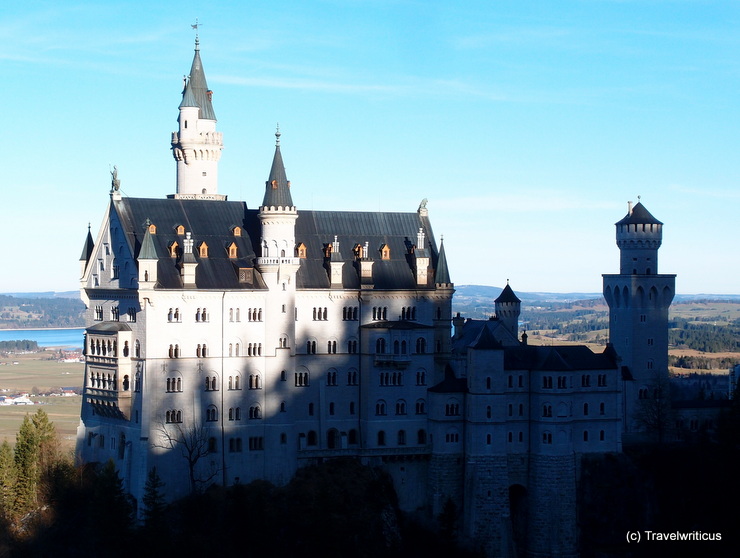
(442, 274)
(277, 187)
(87, 249)
(196, 93)
(148, 251)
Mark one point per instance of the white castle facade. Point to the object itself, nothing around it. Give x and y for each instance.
(228, 344)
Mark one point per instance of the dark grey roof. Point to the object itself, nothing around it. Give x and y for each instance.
(316, 229)
(557, 358)
(451, 383)
(213, 222)
(196, 93)
(497, 336)
(507, 295)
(87, 249)
(639, 215)
(109, 327)
(207, 221)
(442, 274)
(148, 250)
(277, 187)
(396, 324)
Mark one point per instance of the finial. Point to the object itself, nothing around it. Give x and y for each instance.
(195, 26)
(277, 135)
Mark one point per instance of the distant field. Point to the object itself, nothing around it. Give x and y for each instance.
(34, 373)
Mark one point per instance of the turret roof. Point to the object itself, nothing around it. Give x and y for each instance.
(87, 249)
(442, 273)
(507, 295)
(639, 215)
(196, 92)
(277, 187)
(148, 251)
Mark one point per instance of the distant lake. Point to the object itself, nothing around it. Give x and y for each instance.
(46, 337)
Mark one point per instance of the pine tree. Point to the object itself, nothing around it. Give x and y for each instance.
(26, 459)
(153, 500)
(7, 481)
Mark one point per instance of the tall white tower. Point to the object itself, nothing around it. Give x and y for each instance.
(638, 299)
(197, 145)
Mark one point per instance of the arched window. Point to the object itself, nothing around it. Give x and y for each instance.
(380, 408)
(401, 437)
(381, 438)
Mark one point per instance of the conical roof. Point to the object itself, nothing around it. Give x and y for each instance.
(87, 249)
(639, 216)
(507, 295)
(148, 251)
(277, 187)
(442, 273)
(196, 93)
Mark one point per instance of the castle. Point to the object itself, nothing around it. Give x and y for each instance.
(228, 344)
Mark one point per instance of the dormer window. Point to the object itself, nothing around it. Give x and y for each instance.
(237, 231)
(385, 252)
(203, 250)
(152, 229)
(301, 250)
(180, 230)
(233, 252)
(173, 249)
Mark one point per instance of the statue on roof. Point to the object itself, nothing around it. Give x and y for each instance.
(115, 183)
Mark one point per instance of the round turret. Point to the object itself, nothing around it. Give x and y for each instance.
(639, 235)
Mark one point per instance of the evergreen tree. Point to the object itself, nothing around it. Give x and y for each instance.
(153, 501)
(7, 481)
(26, 459)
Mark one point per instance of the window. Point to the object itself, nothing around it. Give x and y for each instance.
(452, 409)
(255, 381)
(602, 408)
(235, 445)
(381, 438)
(212, 413)
(380, 408)
(547, 382)
(331, 378)
(400, 407)
(352, 377)
(256, 443)
(585, 409)
(380, 346)
(421, 407)
(421, 345)
(421, 378)
(401, 437)
(421, 437)
(301, 379)
(547, 437)
(310, 409)
(173, 416)
(547, 410)
(586, 380)
(255, 412)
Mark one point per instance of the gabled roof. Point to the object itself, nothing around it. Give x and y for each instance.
(639, 216)
(483, 335)
(196, 92)
(451, 383)
(213, 223)
(317, 228)
(557, 358)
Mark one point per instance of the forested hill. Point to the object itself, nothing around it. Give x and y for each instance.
(27, 312)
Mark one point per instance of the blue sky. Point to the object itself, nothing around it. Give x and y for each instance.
(527, 125)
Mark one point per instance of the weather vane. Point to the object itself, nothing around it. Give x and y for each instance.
(196, 25)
